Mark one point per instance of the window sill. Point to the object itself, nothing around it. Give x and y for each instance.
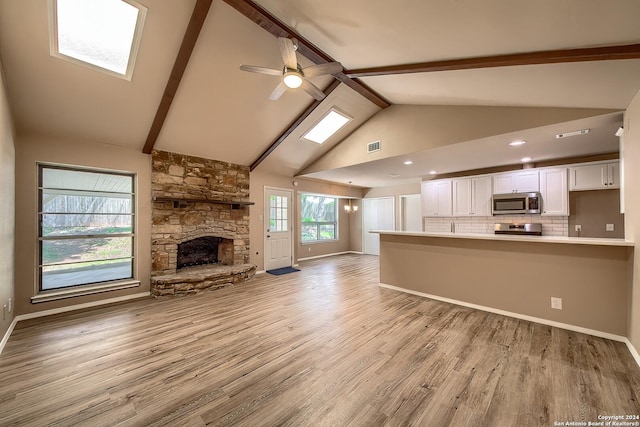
(315, 242)
(46, 296)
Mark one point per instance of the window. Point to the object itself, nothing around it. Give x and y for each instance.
(279, 213)
(331, 123)
(98, 33)
(86, 232)
(319, 218)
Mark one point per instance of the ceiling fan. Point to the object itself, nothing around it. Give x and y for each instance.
(294, 76)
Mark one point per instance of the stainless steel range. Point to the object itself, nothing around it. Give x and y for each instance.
(519, 229)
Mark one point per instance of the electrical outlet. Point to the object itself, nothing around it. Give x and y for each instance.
(309, 249)
(556, 303)
(578, 227)
(10, 304)
(609, 227)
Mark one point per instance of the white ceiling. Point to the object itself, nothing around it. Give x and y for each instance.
(222, 113)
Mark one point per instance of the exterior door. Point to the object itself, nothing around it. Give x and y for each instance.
(278, 230)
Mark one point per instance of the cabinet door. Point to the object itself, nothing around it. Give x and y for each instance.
(502, 184)
(589, 177)
(481, 191)
(613, 173)
(462, 197)
(429, 196)
(445, 205)
(555, 194)
(525, 182)
(516, 182)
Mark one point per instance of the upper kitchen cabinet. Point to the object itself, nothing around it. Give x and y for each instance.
(436, 198)
(555, 195)
(523, 181)
(472, 196)
(595, 176)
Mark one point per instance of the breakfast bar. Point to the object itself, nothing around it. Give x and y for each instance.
(517, 275)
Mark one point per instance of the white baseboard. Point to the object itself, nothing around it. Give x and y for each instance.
(326, 255)
(633, 351)
(540, 320)
(8, 334)
(261, 272)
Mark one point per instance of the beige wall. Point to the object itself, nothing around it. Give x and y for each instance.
(631, 161)
(346, 222)
(410, 128)
(7, 204)
(519, 277)
(33, 149)
(592, 210)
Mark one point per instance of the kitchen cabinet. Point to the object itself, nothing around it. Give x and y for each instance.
(554, 191)
(599, 176)
(472, 196)
(436, 198)
(524, 181)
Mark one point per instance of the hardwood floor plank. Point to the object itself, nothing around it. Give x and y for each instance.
(324, 346)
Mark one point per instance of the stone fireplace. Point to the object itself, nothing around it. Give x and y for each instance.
(200, 229)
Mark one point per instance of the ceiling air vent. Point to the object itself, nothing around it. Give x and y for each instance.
(373, 146)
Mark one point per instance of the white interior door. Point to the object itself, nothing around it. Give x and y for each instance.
(377, 214)
(279, 228)
(410, 212)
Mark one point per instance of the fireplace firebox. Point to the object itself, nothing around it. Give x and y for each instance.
(204, 250)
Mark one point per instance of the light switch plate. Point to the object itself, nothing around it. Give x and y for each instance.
(609, 227)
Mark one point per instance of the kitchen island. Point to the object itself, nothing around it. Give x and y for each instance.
(517, 275)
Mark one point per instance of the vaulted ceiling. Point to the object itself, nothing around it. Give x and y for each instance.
(222, 113)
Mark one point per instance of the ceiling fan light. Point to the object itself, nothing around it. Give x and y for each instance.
(292, 79)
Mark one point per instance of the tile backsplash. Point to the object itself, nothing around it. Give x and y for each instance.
(551, 225)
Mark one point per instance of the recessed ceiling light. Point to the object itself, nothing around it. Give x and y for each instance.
(525, 159)
(517, 142)
(432, 172)
(574, 133)
(408, 162)
(331, 123)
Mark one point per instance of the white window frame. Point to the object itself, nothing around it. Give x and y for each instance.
(318, 224)
(43, 295)
(135, 44)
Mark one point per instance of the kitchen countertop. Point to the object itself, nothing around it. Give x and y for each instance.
(515, 238)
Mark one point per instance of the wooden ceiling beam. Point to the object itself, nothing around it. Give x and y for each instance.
(277, 28)
(189, 40)
(605, 53)
(293, 125)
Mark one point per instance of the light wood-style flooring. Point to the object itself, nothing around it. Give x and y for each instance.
(321, 347)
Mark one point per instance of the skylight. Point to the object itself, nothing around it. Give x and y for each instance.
(98, 33)
(325, 128)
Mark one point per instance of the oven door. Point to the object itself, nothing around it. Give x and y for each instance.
(504, 204)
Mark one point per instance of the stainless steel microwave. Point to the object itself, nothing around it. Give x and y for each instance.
(516, 203)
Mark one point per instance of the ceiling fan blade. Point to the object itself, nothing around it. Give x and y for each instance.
(261, 70)
(312, 90)
(288, 52)
(320, 69)
(278, 91)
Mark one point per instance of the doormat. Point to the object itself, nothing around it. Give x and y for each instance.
(283, 270)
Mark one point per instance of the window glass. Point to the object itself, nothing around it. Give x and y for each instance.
(319, 218)
(86, 231)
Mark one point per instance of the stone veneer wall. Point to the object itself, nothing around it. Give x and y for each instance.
(196, 183)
